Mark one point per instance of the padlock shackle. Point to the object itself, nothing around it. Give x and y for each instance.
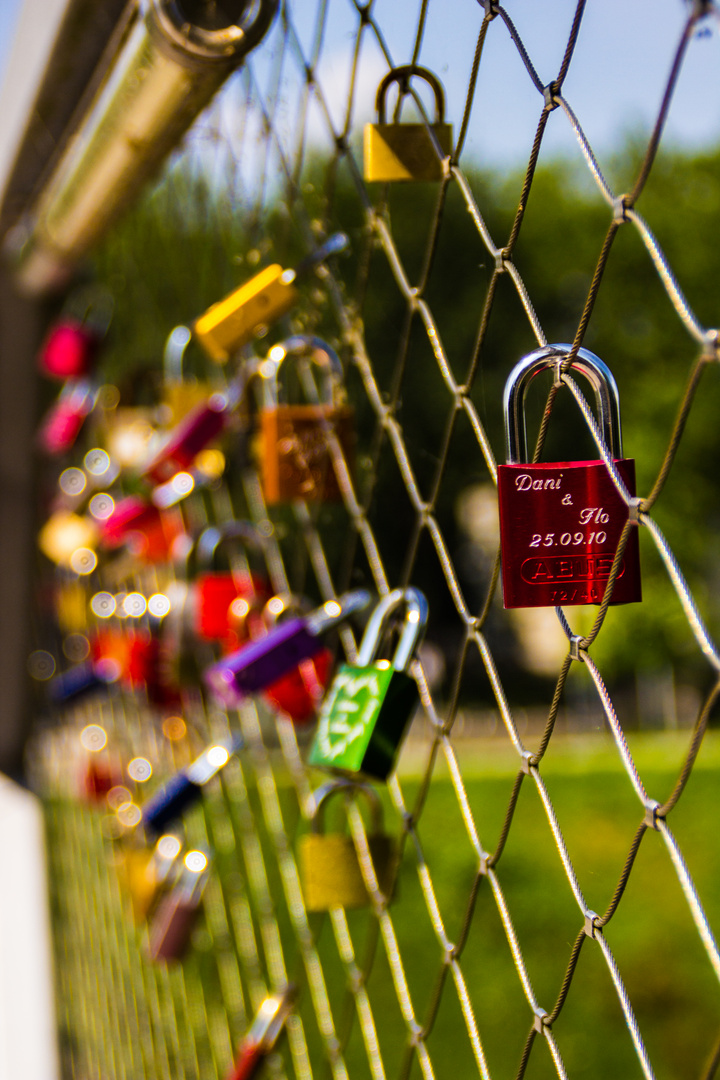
(416, 614)
(214, 537)
(342, 785)
(173, 354)
(334, 612)
(586, 363)
(319, 352)
(334, 244)
(401, 75)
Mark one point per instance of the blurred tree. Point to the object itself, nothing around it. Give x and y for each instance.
(189, 242)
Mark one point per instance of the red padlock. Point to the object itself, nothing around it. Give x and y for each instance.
(560, 521)
(264, 1033)
(216, 591)
(61, 424)
(149, 531)
(148, 667)
(178, 911)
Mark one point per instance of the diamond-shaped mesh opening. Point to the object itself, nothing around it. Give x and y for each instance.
(553, 915)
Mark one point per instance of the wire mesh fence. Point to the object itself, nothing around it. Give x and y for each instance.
(488, 957)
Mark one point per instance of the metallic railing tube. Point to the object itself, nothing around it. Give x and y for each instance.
(165, 73)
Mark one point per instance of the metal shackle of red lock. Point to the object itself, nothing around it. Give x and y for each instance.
(262, 662)
(215, 591)
(560, 521)
(297, 460)
(264, 1033)
(72, 343)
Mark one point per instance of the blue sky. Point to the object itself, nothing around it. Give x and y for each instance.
(615, 83)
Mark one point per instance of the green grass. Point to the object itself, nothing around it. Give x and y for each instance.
(670, 981)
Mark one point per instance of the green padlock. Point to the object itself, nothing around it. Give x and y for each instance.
(330, 868)
(364, 716)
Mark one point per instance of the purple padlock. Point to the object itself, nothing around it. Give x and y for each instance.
(262, 662)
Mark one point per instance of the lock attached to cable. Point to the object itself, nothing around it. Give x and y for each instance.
(395, 152)
(370, 703)
(560, 521)
(297, 439)
(329, 865)
(264, 1033)
(260, 663)
(185, 788)
(177, 912)
(215, 591)
(234, 321)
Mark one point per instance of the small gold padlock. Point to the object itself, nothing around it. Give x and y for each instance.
(406, 151)
(329, 864)
(180, 394)
(296, 440)
(71, 607)
(233, 321)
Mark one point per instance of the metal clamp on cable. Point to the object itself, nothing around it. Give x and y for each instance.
(172, 60)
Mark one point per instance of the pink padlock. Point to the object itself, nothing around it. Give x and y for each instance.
(69, 350)
(192, 434)
(149, 531)
(71, 345)
(63, 420)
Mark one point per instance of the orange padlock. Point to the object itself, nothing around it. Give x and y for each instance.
(302, 445)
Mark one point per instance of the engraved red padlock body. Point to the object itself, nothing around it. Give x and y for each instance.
(560, 524)
(299, 693)
(64, 419)
(192, 434)
(561, 521)
(69, 350)
(215, 592)
(150, 531)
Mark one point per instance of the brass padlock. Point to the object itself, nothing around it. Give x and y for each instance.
(300, 443)
(407, 151)
(232, 322)
(180, 394)
(329, 864)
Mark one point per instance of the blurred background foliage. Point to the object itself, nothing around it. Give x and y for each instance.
(191, 240)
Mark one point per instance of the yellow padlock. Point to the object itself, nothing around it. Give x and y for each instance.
(232, 322)
(180, 394)
(329, 864)
(406, 151)
(71, 604)
(143, 873)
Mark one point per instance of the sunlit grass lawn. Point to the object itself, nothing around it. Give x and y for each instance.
(670, 981)
(671, 984)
